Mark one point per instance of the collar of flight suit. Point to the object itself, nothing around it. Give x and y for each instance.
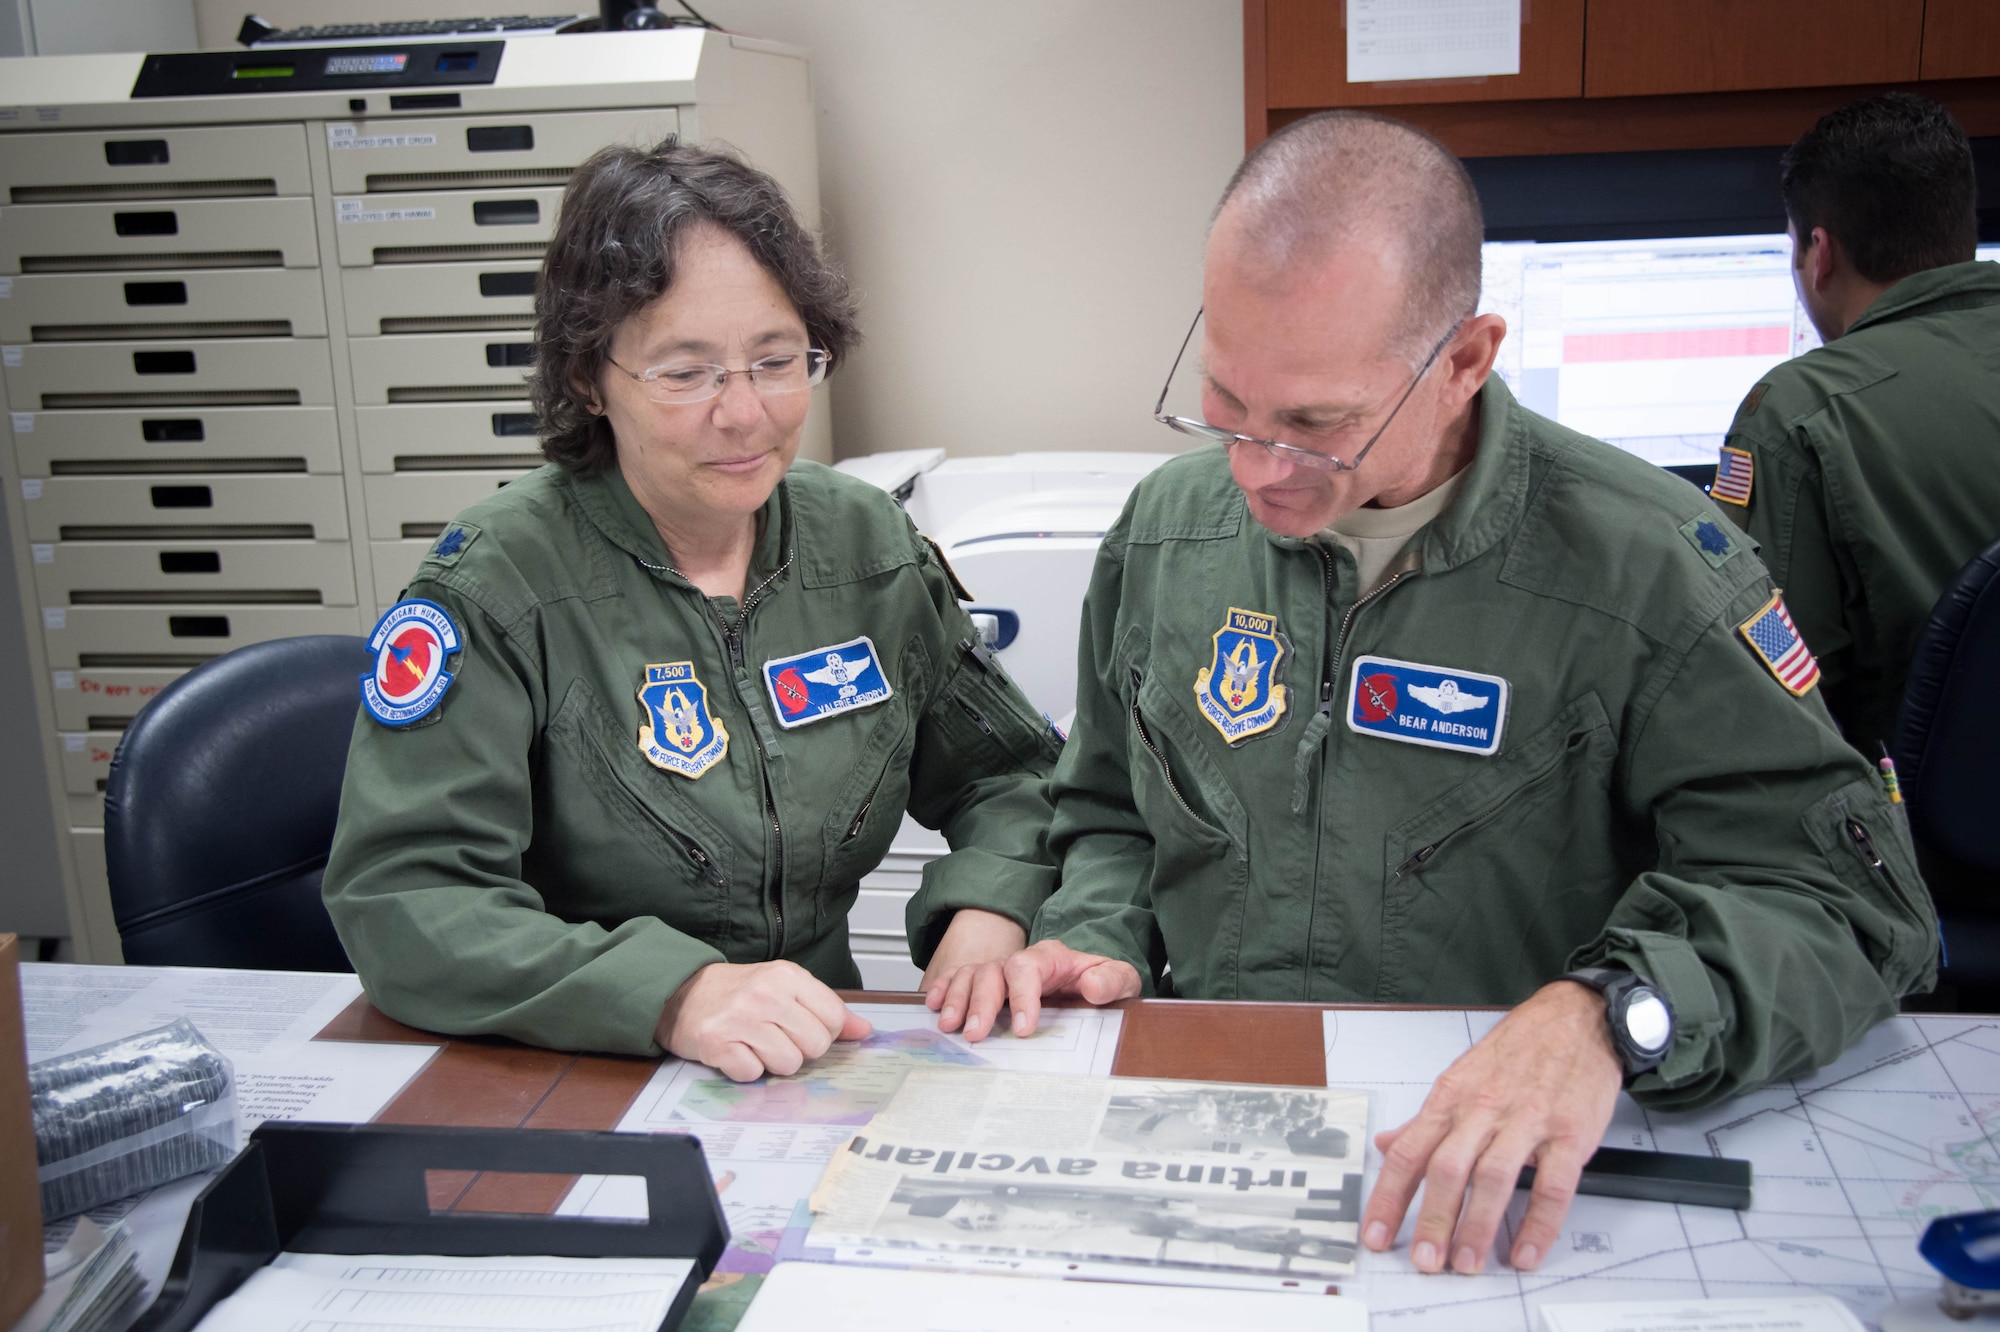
(1490, 501)
(1953, 287)
(616, 513)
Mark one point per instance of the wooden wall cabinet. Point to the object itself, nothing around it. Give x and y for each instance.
(1639, 47)
(1607, 75)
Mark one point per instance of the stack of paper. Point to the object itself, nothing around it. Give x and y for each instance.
(107, 1282)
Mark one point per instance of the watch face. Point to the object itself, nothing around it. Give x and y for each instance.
(1647, 1021)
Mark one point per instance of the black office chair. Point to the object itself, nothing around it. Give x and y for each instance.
(1947, 753)
(221, 804)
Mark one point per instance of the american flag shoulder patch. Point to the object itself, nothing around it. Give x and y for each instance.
(1733, 476)
(1776, 641)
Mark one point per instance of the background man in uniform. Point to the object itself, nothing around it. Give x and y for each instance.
(1410, 695)
(1869, 469)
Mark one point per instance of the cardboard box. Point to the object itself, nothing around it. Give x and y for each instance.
(20, 1197)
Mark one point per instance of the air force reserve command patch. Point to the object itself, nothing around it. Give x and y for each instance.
(1775, 639)
(679, 734)
(411, 643)
(1427, 705)
(826, 682)
(1238, 691)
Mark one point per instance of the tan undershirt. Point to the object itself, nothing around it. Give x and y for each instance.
(1380, 539)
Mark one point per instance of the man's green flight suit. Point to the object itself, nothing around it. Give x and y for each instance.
(515, 864)
(1874, 476)
(1658, 800)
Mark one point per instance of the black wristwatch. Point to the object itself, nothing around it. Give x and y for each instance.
(1642, 1021)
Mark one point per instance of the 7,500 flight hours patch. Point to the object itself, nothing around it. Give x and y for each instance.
(679, 734)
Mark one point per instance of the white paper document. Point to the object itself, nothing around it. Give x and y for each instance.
(861, 1299)
(1806, 1314)
(315, 1292)
(1851, 1162)
(71, 1007)
(1432, 39)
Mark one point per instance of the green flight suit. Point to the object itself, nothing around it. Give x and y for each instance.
(1658, 800)
(515, 865)
(1875, 475)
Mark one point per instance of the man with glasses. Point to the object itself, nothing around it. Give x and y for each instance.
(1405, 694)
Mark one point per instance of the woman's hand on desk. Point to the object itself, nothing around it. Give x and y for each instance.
(967, 964)
(973, 995)
(748, 1020)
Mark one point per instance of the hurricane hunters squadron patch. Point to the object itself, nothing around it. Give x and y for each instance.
(412, 643)
(1238, 691)
(1427, 705)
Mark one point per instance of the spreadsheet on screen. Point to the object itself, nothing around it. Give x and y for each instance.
(1647, 344)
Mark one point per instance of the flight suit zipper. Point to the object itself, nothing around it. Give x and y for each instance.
(861, 815)
(1146, 739)
(1424, 855)
(690, 848)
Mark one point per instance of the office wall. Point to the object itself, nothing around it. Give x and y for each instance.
(1019, 190)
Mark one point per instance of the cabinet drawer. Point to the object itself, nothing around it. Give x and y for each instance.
(878, 914)
(162, 442)
(111, 573)
(180, 303)
(448, 436)
(395, 562)
(443, 225)
(459, 152)
(155, 164)
(188, 508)
(200, 233)
(413, 506)
(52, 376)
(177, 637)
(441, 367)
(86, 760)
(440, 298)
(102, 700)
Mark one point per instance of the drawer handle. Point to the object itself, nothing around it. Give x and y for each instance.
(156, 293)
(165, 222)
(433, 101)
(507, 212)
(501, 355)
(198, 626)
(500, 139)
(514, 424)
(185, 430)
(163, 363)
(190, 561)
(507, 284)
(183, 497)
(135, 152)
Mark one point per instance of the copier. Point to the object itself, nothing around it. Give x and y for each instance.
(264, 328)
(1021, 531)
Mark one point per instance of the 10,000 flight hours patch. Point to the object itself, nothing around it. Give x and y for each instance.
(679, 734)
(1238, 691)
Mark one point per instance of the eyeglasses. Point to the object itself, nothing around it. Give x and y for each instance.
(1278, 449)
(680, 382)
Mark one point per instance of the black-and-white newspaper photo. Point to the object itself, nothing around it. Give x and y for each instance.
(1191, 1176)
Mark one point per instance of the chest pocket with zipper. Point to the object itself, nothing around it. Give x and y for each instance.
(1200, 867)
(663, 857)
(1488, 888)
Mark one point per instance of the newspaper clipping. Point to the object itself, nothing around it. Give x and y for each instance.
(1195, 1177)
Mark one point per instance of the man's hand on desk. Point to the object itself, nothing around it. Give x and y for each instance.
(1539, 1089)
(973, 995)
(748, 1020)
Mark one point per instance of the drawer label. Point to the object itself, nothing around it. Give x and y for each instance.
(73, 742)
(64, 679)
(24, 422)
(44, 552)
(10, 356)
(6, 288)
(350, 136)
(31, 487)
(354, 210)
(55, 617)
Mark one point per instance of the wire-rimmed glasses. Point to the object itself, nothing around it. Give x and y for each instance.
(1283, 452)
(680, 382)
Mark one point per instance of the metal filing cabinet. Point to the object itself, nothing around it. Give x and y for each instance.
(262, 338)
